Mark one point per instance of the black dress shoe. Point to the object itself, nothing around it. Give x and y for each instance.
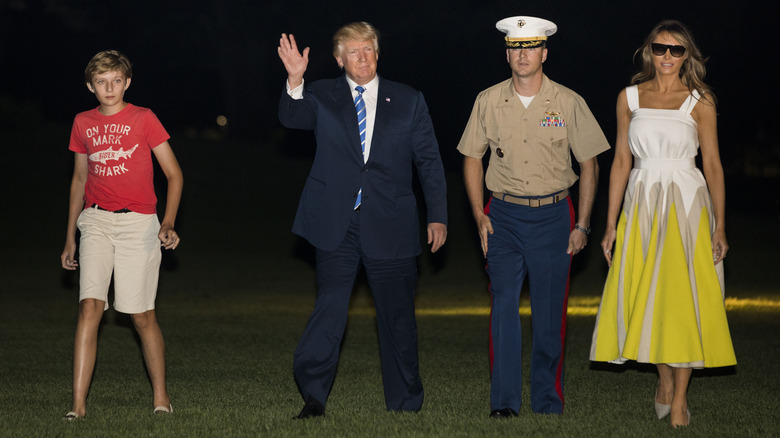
(503, 413)
(313, 408)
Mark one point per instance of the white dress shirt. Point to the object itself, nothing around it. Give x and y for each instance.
(370, 96)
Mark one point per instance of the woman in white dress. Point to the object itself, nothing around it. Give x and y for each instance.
(663, 298)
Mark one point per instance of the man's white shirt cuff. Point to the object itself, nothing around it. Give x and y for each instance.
(295, 93)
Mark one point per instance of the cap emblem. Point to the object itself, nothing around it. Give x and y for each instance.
(520, 23)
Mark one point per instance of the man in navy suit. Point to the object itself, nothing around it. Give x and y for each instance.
(358, 207)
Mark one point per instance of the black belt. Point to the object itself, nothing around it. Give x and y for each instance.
(124, 210)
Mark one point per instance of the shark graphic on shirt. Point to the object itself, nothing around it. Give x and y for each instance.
(111, 154)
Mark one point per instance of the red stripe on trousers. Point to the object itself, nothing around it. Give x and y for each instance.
(559, 371)
(490, 324)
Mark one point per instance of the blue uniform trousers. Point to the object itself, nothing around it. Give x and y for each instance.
(528, 242)
(392, 283)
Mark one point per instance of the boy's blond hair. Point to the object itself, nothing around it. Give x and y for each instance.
(105, 61)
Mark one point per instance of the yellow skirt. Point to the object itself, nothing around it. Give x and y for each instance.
(663, 300)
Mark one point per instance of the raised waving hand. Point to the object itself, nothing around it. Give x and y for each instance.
(294, 61)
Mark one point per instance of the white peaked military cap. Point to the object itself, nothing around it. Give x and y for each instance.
(525, 32)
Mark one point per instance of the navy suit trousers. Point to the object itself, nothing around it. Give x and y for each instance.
(392, 283)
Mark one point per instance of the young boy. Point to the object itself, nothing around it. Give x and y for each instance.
(113, 204)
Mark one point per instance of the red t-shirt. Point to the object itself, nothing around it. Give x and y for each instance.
(119, 156)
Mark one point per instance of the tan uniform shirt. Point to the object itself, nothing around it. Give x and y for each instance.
(531, 147)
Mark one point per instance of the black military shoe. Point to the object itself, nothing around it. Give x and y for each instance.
(503, 413)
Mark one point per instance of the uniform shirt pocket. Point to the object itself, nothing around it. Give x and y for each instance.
(498, 138)
(556, 139)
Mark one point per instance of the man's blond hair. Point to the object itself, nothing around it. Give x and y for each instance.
(357, 31)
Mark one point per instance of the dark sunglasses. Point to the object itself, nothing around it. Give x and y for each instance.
(660, 50)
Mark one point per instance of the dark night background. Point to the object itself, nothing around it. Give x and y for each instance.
(195, 60)
(235, 295)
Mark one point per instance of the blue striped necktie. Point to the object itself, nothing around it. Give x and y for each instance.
(360, 107)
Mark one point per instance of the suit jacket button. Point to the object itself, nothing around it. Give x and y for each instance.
(500, 153)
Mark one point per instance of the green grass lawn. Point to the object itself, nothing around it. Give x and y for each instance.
(234, 298)
(231, 330)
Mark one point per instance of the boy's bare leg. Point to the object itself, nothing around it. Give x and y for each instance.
(153, 347)
(85, 351)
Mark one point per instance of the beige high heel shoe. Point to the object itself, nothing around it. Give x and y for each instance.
(661, 410)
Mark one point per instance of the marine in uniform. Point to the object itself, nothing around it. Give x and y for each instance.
(528, 228)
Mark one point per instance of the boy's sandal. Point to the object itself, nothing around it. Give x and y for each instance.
(163, 409)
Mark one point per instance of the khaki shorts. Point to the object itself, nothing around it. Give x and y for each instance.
(127, 245)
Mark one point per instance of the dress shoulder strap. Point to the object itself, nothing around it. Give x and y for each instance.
(690, 102)
(632, 94)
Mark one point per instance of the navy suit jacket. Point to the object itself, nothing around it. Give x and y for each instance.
(403, 139)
